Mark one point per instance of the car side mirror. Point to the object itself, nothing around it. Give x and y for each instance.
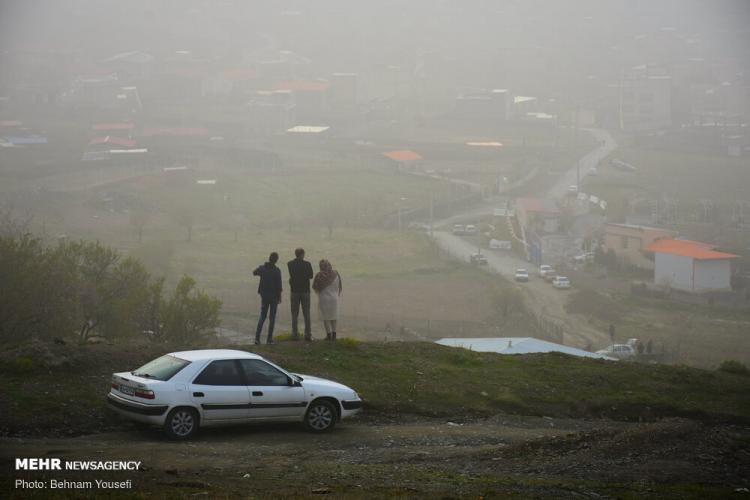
(293, 382)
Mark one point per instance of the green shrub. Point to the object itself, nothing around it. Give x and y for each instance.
(348, 342)
(284, 337)
(735, 367)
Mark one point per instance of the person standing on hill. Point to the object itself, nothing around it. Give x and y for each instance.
(269, 289)
(300, 274)
(327, 284)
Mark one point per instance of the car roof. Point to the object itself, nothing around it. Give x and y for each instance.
(204, 354)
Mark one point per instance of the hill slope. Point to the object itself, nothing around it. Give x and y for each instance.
(60, 389)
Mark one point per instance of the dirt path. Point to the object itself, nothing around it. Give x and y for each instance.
(420, 457)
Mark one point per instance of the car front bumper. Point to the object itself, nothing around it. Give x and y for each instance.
(352, 407)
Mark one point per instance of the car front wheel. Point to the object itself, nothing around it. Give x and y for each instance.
(320, 416)
(181, 423)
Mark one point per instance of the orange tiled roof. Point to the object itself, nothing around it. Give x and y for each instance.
(686, 248)
(404, 155)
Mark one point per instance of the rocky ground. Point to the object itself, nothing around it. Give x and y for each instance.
(525, 457)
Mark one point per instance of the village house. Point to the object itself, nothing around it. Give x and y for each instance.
(691, 266)
(629, 242)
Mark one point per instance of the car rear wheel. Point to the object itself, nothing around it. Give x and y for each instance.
(181, 423)
(320, 416)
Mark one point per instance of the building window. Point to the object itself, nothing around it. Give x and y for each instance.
(623, 242)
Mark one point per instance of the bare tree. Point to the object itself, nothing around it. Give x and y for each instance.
(185, 217)
(138, 220)
(13, 225)
(331, 214)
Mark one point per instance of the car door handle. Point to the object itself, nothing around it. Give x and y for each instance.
(198, 394)
(257, 393)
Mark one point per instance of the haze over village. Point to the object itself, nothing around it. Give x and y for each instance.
(488, 187)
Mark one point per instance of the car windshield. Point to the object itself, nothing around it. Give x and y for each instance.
(163, 368)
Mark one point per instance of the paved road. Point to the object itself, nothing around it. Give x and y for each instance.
(541, 297)
(606, 144)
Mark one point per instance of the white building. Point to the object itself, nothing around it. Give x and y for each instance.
(691, 266)
(515, 345)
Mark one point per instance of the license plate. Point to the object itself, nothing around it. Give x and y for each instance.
(127, 390)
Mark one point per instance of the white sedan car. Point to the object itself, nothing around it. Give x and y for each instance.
(561, 282)
(183, 391)
(544, 269)
(618, 351)
(522, 275)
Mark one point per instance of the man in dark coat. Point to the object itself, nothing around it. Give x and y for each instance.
(269, 290)
(300, 274)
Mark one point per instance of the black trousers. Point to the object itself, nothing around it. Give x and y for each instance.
(297, 300)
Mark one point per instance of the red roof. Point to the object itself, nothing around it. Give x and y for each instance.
(175, 131)
(114, 126)
(537, 205)
(403, 155)
(118, 141)
(302, 86)
(686, 248)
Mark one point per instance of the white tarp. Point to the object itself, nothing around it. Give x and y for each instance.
(516, 345)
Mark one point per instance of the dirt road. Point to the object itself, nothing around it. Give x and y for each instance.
(530, 456)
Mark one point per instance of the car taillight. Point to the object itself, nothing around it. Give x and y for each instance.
(144, 394)
(115, 385)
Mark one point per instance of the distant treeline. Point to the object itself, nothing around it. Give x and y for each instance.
(78, 289)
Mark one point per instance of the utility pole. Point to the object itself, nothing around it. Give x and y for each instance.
(432, 209)
(479, 239)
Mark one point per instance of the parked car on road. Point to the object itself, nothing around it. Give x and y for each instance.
(459, 229)
(584, 258)
(561, 282)
(618, 351)
(543, 270)
(522, 275)
(478, 259)
(550, 276)
(183, 391)
(471, 229)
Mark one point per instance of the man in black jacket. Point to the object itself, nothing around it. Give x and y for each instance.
(300, 274)
(269, 289)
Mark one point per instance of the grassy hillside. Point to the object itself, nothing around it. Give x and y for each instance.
(55, 389)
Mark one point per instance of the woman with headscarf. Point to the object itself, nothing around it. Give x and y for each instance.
(327, 284)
